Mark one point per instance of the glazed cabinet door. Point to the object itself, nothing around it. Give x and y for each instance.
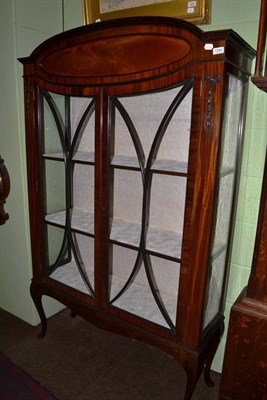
(67, 139)
(148, 151)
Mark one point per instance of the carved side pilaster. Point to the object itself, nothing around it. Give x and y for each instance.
(28, 90)
(210, 80)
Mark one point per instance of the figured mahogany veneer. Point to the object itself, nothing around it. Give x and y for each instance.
(154, 52)
(99, 75)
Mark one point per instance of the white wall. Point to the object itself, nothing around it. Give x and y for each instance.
(24, 24)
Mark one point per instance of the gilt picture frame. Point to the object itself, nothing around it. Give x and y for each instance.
(197, 11)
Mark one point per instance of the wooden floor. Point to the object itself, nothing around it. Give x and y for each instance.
(76, 361)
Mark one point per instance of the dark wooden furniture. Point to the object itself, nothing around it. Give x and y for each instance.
(134, 137)
(4, 191)
(260, 76)
(244, 375)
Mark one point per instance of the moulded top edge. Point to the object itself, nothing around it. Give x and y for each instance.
(233, 37)
(156, 25)
(80, 34)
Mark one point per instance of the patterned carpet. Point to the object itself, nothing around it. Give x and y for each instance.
(16, 385)
(77, 361)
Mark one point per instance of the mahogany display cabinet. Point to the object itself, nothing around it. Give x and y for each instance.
(134, 139)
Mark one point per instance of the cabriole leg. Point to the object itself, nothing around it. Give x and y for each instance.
(193, 372)
(37, 299)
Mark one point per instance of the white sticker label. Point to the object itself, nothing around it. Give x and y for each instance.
(190, 10)
(218, 50)
(191, 4)
(208, 46)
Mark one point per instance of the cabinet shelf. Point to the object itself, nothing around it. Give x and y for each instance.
(81, 221)
(162, 243)
(69, 275)
(54, 156)
(170, 167)
(82, 157)
(131, 301)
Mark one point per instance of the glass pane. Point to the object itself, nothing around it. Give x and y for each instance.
(85, 250)
(83, 188)
(225, 182)
(82, 114)
(56, 246)
(167, 202)
(54, 186)
(231, 123)
(147, 199)
(175, 142)
(152, 108)
(138, 298)
(215, 288)
(226, 185)
(67, 127)
(53, 122)
(128, 194)
(77, 270)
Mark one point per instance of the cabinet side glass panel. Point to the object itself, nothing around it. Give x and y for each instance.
(67, 132)
(148, 150)
(225, 183)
